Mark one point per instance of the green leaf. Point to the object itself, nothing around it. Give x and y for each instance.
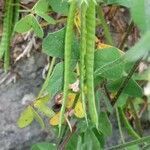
(44, 146)
(25, 118)
(46, 17)
(139, 50)
(59, 6)
(38, 118)
(53, 44)
(44, 99)
(100, 136)
(141, 14)
(122, 100)
(56, 80)
(104, 57)
(41, 9)
(91, 141)
(128, 67)
(133, 147)
(104, 124)
(44, 109)
(132, 89)
(82, 126)
(24, 25)
(37, 28)
(98, 80)
(27, 23)
(79, 143)
(72, 144)
(41, 6)
(105, 102)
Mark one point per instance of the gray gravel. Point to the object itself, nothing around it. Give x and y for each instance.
(12, 99)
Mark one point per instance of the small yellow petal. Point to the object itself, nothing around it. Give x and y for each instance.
(54, 121)
(101, 45)
(78, 110)
(77, 21)
(70, 101)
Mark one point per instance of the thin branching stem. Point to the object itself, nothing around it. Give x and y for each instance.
(44, 86)
(104, 25)
(127, 124)
(137, 121)
(134, 142)
(119, 126)
(125, 35)
(125, 82)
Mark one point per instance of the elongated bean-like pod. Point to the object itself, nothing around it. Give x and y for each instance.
(10, 18)
(6, 28)
(89, 64)
(67, 57)
(11, 26)
(82, 55)
(127, 125)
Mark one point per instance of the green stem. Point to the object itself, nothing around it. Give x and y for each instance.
(125, 36)
(68, 137)
(137, 121)
(135, 142)
(119, 125)
(105, 26)
(127, 125)
(125, 82)
(146, 147)
(44, 86)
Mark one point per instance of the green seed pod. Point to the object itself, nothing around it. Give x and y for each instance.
(67, 57)
(82, 55)
(127, 125)
(89, 61)
(11, 26)
(6, 28)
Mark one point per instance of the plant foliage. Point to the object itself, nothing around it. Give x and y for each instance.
(87, 81)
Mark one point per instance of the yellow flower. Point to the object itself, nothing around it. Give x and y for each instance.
(78, 110)
(70, 101)
(54, 121)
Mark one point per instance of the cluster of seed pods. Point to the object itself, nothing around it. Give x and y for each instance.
(86, 60)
